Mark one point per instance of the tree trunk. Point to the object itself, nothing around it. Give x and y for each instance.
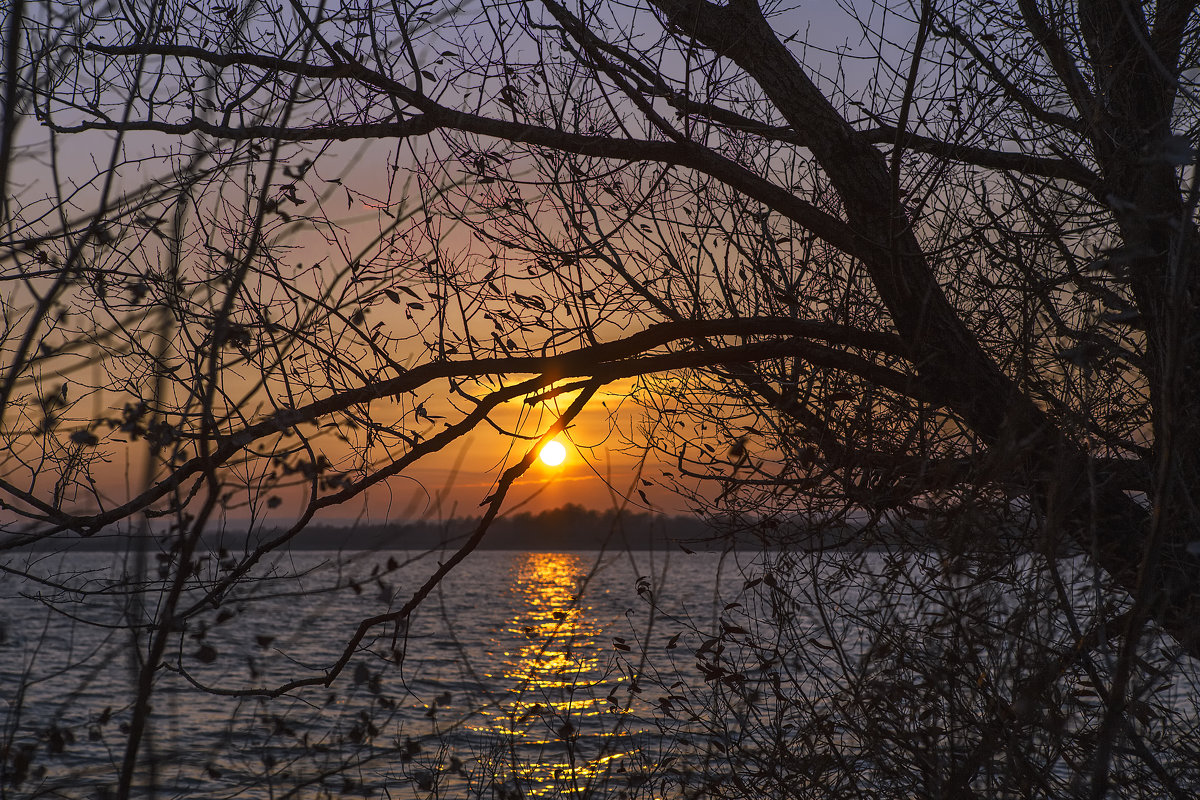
(1145, 553)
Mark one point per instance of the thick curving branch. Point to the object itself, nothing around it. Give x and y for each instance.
(608, 361)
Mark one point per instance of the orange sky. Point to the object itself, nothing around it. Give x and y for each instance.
(598, 471)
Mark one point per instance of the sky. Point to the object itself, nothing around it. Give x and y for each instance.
(601, 469)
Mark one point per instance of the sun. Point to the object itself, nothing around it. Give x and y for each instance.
(553, 453)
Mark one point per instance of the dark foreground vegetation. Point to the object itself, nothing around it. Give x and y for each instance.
(927, 260)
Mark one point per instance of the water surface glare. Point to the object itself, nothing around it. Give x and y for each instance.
(518, 673)
(640, 675)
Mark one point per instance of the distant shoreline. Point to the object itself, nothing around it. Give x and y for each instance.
(568, 528)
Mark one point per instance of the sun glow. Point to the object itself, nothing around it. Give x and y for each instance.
(553, 453)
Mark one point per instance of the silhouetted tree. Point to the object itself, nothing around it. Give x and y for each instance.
(942, 280)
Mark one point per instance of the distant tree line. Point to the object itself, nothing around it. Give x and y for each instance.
(570, 527)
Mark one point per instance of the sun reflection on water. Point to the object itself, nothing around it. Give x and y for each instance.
(564, 734)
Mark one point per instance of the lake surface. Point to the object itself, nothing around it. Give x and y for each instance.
(524, 672)
(586, 674)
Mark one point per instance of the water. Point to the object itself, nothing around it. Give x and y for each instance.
(523, 671)
(625, 674)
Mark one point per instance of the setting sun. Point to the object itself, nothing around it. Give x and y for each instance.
(553, 453)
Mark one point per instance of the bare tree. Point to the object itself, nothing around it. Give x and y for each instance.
(946, 274)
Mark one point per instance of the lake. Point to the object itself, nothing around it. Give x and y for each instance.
(582, 674)
(521, 673)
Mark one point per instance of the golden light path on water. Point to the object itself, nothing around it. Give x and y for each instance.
(566, 734)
